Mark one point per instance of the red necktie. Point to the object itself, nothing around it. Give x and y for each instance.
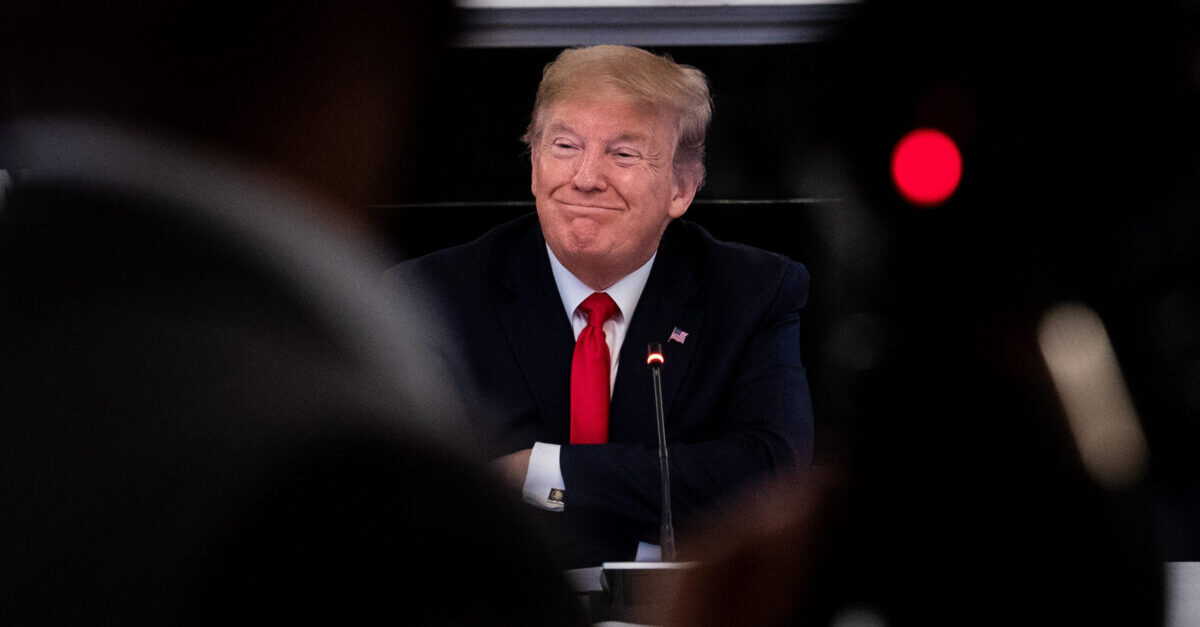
(590, 373)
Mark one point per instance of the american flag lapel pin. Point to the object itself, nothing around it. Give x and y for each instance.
(678, 335)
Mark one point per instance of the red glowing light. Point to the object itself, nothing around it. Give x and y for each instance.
(926, 167)
(653, 358)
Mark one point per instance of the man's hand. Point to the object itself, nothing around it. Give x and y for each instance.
(512, 468)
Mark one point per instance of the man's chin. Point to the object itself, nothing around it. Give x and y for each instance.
(591, 253)
(585, 238)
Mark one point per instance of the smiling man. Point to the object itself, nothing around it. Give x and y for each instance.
(605, 183)
(548, 317)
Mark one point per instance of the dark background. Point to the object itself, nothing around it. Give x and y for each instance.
(1078, 130)
(957, 487)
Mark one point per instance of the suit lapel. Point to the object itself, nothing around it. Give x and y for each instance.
(539, 333)
(666, 304)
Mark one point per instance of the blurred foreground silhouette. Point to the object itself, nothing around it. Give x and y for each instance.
(208, 414)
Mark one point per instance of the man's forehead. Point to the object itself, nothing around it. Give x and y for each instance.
(615, 134)
(614, 119)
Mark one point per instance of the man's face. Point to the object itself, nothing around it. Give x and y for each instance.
(604, 184)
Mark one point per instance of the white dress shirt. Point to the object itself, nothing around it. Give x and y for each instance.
(544, 476)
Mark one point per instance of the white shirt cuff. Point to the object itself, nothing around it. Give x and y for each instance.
(543, 481)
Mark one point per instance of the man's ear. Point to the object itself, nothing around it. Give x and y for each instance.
(685, 184)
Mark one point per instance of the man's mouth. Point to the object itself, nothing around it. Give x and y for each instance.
(585, 206)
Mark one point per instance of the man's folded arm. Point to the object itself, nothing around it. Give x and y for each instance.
(766, 422)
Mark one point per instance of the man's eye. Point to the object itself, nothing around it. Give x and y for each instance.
(564, 145)
(625, 154)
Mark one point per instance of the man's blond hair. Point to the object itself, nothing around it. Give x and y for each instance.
(680, 91)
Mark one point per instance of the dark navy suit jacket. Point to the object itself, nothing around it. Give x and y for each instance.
(735, 395)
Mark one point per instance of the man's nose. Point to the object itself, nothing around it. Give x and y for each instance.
(589, 173)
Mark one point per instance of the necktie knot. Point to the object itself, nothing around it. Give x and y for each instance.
(599, 308)
(591, 368)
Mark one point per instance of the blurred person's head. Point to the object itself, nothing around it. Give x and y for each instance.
(218, 423)
(616, 142)
(318, 91)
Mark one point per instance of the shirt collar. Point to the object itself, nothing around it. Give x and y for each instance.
(625, 292)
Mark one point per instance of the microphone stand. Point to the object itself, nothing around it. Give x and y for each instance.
(640, 591)
(654, 359)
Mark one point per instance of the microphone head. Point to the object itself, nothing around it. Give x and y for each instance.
(654, 355)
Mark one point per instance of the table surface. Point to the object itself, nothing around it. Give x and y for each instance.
(1182, 598)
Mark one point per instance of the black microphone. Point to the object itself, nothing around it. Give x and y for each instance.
(654, 359)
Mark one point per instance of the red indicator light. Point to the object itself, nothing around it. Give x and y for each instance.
(926, 167)
(653, 358)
